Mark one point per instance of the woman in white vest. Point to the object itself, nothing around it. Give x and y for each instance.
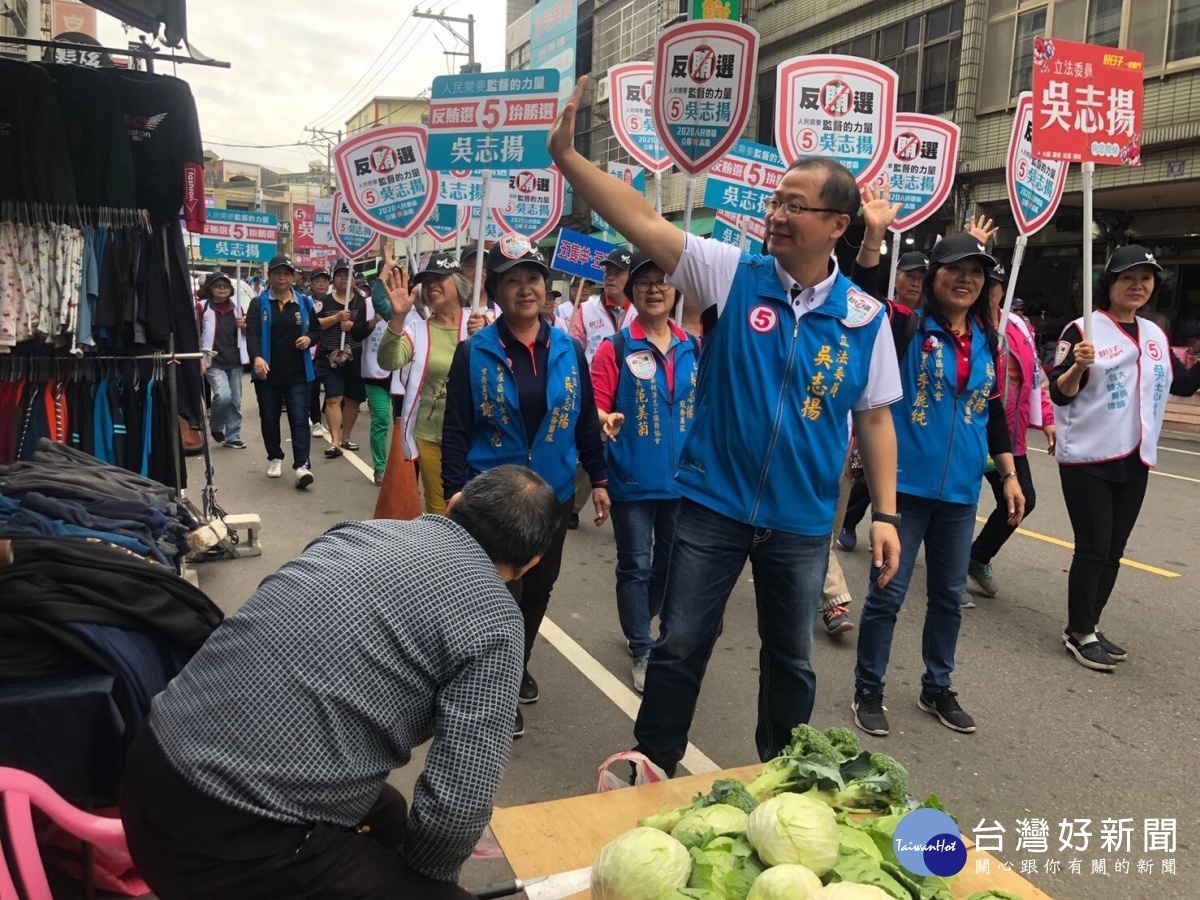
(1108, 431)
(426, 348)
(223, 340)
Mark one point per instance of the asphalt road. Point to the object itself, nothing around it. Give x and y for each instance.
(1055, 741)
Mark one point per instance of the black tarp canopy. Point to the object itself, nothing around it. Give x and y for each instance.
(165, 18)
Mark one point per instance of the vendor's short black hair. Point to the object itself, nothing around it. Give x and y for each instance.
(511, 512)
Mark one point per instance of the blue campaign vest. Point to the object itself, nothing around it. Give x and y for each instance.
(643, 460)
(941, 435)
(498, 432)
(774, 393)
(266, 313)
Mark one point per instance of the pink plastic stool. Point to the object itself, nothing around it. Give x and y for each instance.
(18, 789)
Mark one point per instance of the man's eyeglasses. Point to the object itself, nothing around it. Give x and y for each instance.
(645, 284)
(795, 209)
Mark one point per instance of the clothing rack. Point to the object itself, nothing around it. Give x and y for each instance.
(45, 214)
(149, 55)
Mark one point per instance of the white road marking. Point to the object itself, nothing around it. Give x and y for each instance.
(591, 669)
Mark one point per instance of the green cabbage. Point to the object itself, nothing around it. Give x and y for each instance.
(843, 890)
(792, 828)
(717, 820)
(788, 882)
(727, 866)
(642, 864)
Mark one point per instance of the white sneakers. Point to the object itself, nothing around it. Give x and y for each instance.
(274, 468)
(318, 431)
(304, 477)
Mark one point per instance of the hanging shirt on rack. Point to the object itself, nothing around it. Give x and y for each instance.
(35, 165)
(97, 139)
(164, 136)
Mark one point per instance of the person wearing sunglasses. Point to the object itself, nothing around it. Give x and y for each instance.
(792, 350)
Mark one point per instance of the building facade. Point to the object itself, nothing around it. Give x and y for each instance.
(388, 111)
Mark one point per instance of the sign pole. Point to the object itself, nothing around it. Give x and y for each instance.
(743, 233)
(658, 192)
(458, 235)
(895, 266)
(237, 291)
(1089, 172)
(484, 211)
(1011, 292)
(689, 198)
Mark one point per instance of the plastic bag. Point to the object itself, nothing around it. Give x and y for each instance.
(644, 771)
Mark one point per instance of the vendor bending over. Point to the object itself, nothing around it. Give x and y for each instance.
(262, 772)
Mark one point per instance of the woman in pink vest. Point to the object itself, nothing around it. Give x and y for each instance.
(1026, 406)
(1108, 426)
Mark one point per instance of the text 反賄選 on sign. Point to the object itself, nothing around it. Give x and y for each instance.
(383, 175)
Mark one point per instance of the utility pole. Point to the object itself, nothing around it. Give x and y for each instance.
(445, 21)
(331, 140)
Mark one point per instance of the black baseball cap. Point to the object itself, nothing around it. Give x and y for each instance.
(960, 246)
(637, 262)
(341, 264)
(913, 259)
(319, 273)
(998, 273)
(513, 250)
(280, 262)
(438, 264)
(620, 258)
(1129, 256)
(469, 251)
(557, 295)
(217, 276)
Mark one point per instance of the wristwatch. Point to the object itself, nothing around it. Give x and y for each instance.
(885, 518)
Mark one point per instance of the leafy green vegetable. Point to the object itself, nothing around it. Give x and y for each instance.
(809, 761)
(794, 828)
(641, 864)
(788, 882)
(994, 894)
(726, 866)
(718, 819)
(874, 782)
(728, 791)
(853, 838)
(844, 741)
(693, 894)
(843, 890)
(858, 867)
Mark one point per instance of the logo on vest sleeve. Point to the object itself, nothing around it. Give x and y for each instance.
(318, 306)
(1154, 351)
(860, 309)
(764, 318)
(1061, 351)
(642, 364)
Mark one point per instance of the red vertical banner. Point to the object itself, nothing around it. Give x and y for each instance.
(1087, 103)
(303, 217)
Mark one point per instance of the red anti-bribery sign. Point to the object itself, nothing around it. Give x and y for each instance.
(624, 122)
(372, 143)
(684, 39)
(913, 124)
(556, 205)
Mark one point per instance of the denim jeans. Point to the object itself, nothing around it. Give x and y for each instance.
(645, 532)
(270, 407)
(946, 530)
(225, 415)
(709, 554)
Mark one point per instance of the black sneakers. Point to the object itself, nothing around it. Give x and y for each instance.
(869, 712)
(519, 725)
(1117, 653)
(529, 690)
(944, 705)
(1091, 655)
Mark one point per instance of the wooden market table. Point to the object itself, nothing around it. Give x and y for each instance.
(562, 835)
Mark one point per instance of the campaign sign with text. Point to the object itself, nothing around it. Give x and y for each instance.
(920, 166)
(314, 259)
(534, 204)
(460, 188)
(234, 234)
(1035, 186)
(552, 35)
(579, 255)
(703, 83)
(446, 221)
(383, 176)
(634, 176)
(630, 102)
(351, 236)
(836, 106)
(726, 230)
(497, 120)
(1087, 103)
(323, 222)
(743, 180)
(302, 227)
(493, 232)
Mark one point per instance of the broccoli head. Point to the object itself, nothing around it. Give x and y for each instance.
(844, 741)
(807, 741)
(874, 782)
(731, 792)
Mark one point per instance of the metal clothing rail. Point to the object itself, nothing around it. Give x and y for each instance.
(149, 54)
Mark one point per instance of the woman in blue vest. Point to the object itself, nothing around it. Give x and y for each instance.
(1108, 425)
(645, 373)
(949, 421)
(519, 392)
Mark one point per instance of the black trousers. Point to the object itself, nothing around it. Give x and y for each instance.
(856, 506)
(532, 590)
(1103, 514)
(997, 530)
(324, 862)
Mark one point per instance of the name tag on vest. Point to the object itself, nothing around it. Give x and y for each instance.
(642, 364)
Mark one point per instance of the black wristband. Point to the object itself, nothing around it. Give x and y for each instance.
(885, 518)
